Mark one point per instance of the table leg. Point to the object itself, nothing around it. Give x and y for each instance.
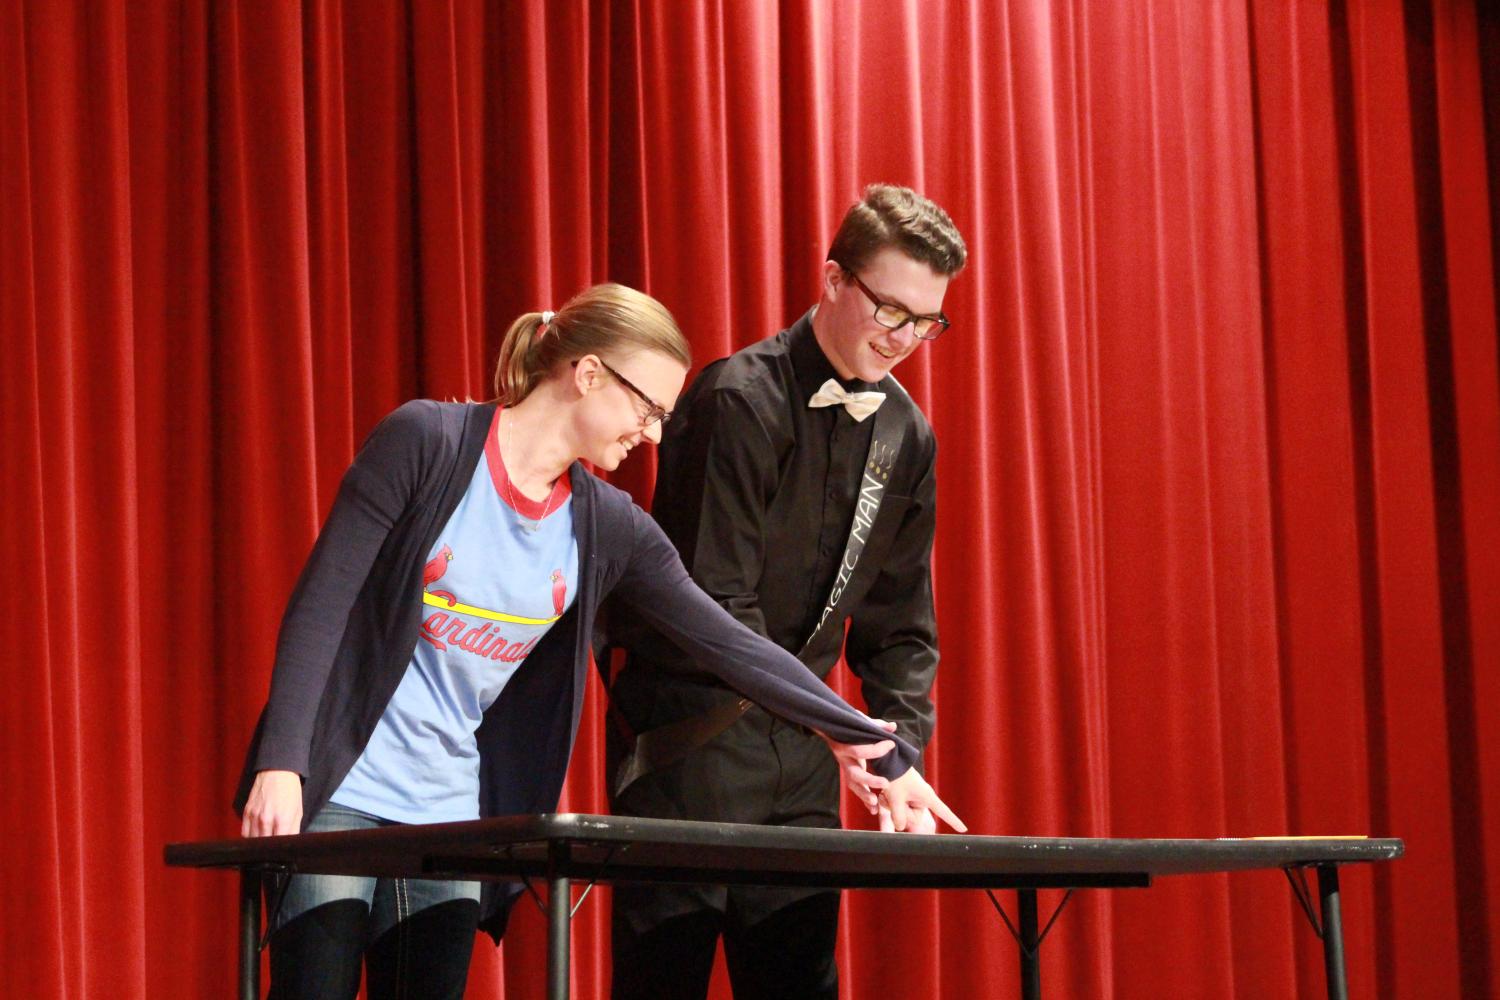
(1031, 966)
(559, 921)
(249, 988)
(1333, 933)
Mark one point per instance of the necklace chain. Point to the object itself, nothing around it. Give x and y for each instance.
(510, 490)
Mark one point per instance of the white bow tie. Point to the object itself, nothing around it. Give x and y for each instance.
(859, 404)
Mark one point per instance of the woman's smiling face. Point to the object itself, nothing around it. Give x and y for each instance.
(616, 410)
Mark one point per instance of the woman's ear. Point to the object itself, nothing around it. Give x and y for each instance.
(586, 374)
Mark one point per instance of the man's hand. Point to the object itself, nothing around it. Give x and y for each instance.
(913, 804)
(274, 806)
(865, 784)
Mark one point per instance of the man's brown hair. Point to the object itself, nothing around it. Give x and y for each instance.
(893, 216)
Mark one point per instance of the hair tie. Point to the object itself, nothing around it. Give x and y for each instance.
(547, 315)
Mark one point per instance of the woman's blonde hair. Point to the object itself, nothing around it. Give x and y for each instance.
(605, 320)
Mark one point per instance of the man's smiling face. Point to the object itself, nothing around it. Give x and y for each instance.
(856, 345)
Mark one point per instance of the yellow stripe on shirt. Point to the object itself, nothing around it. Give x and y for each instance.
(494, 616)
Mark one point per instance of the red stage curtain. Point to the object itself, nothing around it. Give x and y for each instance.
(1220, 421)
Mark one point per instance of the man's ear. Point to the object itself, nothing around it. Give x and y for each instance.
(832, 279)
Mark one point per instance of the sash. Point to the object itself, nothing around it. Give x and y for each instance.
(880, 462)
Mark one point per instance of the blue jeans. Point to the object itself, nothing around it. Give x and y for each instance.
(414, 936)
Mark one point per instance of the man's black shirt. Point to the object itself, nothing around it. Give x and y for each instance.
(757, 490)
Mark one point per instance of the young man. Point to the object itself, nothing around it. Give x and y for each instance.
(797, 481)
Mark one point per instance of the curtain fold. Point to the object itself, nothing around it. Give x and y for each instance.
(1219, 422)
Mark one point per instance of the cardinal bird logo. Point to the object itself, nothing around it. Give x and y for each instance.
(453, 625)
(433, 572)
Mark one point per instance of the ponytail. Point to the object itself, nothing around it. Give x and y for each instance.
(519, 368)
(604, 319)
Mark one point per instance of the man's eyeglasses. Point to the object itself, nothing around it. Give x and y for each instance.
(894, 317)
(654, 411)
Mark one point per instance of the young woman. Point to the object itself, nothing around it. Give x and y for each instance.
(431, 663)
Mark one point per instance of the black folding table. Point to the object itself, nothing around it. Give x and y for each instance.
(568, 847)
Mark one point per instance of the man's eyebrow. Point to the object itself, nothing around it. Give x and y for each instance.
(903, 305)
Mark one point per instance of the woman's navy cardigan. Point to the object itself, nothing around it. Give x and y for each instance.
(352, 621)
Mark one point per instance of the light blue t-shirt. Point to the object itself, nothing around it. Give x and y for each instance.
(496, 581)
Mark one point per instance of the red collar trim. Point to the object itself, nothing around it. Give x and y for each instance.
(523, 505)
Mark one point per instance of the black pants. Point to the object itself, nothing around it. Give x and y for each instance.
(317, 955)
(778, 942)
(787, 955)
(413, 936)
